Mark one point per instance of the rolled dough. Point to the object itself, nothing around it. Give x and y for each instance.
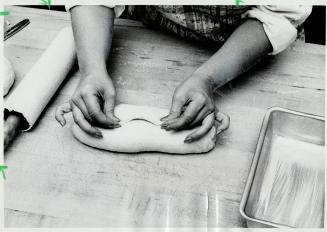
(8, 76)
(141, 132)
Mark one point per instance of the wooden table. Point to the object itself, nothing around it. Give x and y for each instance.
(54, 181)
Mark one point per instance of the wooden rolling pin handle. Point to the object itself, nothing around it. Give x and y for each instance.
(11, 126)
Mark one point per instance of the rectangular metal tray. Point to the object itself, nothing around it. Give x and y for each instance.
(299, 128)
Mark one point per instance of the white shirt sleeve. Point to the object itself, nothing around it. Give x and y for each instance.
(118, 9)
(280, 22)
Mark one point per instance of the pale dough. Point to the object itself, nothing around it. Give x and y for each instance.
(141, 132)
(8, 76)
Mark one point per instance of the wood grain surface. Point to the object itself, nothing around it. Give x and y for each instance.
(54, 181)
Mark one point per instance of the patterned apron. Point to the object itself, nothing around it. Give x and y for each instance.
(204, 23)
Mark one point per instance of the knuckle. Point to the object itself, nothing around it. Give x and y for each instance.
(88, 87)
(178, 95)
(84, 93)
(224, 117)
(201, 98)
(86, 90)
(178, 99)
(220, 117)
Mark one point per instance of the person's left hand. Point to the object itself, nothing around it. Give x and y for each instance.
(193, 105)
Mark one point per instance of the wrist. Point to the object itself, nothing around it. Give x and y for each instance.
(203, 78)
(97, 70)
(91, 63)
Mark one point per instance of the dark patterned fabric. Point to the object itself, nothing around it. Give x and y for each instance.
(205, 23)
(213, 23)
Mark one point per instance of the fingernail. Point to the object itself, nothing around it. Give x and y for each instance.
(188, 140)
(111, 126)
(163, 126)
(218, 132)
(98, 134)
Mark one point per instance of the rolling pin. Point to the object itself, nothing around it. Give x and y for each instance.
(25, 104)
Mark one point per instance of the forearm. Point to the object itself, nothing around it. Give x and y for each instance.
(93, 29)
(244, 48)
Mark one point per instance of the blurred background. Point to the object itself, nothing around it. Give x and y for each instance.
(315, 25)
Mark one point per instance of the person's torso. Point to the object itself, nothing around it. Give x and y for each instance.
(204, 22)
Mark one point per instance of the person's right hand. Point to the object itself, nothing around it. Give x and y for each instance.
(92, 104)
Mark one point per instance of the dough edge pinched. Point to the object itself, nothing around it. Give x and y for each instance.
(140, 132)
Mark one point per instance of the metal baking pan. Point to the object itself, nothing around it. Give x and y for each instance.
(286, 185)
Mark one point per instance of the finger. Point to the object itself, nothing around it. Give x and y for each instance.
(187, 117)
(60, 111)
(207, 124)
(109, 107)
(223, 122)
(84, 124)
(204, 112)
(175, 110)
(95, 112)
(79, 102)
(164, 118)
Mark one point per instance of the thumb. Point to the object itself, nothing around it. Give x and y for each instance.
(60, 111)
(223, 122)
